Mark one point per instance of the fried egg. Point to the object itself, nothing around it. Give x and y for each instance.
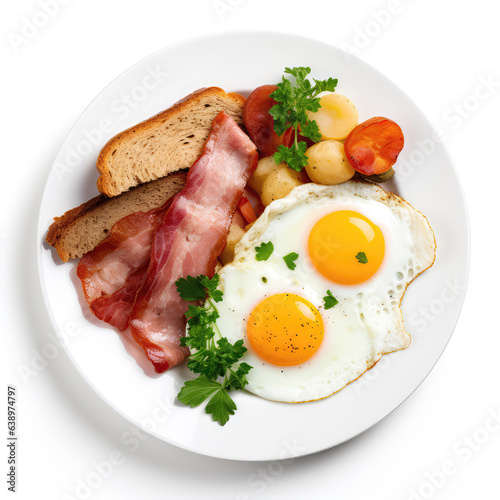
(313, 327)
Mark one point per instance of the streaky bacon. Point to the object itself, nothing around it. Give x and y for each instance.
(116, 308)
(190, 238)
(113, 272)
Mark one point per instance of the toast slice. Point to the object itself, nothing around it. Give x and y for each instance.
(81, 229)
(172, 140)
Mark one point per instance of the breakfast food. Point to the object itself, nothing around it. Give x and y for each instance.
(279, 183)
(112, 272)
(374, 145)
(258, 121)
(299, 349)
(167, 142)
(336, 117)
(190, 238)
(327, 163)
(81, 229)
(307, 293)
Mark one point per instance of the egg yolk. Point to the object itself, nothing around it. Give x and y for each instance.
(346, 247)
(285, 329)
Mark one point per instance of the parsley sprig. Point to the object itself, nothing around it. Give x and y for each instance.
(362, 258)
(212, 359)
(264, 251)
(329, 300)
(295, 98)
(290, 260)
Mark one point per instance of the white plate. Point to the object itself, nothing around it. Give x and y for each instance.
(260, 429)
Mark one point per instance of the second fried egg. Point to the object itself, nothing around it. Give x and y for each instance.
(358, 248)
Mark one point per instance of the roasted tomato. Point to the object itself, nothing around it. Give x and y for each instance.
(373, 146)
(247, 210)
(259, 123)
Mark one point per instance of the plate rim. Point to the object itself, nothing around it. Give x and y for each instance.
(41, 232)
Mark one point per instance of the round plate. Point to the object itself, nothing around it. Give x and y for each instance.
(260, 429)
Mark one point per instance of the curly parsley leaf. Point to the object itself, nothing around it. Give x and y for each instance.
(295, 158)
(228, 354)
(295, 97)
(264, 251)
(329, 300)
(327, 85)
(210, 358)
(238, 380)
(311, 130)
(290, 260)
(211, 286)
(362, 259)
(190, 289)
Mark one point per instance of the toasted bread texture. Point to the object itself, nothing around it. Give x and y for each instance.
(170, 141)
(81, 229)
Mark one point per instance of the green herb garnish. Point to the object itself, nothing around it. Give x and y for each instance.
(290, 258)
(329, 300)
(295, 98)
(362, 259)
(210, 358)
(264, 251)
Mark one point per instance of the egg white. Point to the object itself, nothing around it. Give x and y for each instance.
(365, 324)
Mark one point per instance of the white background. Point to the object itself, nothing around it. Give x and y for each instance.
(438, 53)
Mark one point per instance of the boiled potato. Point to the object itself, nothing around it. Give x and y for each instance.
(279, 183)
(327, 163)
(264, 167)
(235, 234)
(336, 117)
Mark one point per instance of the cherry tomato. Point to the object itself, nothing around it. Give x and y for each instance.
(373, 146)
(258, 121)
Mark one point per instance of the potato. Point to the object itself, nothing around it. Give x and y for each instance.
(264, 167)
(328, 164)
(279, 183)
(235, 234)
(336, 117)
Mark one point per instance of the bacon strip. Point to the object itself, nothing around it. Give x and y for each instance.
(193, 233)
(113, 272)
(115, 309)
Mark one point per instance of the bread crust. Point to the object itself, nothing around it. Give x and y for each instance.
(104, 160)
(62, 224)
(63, 232)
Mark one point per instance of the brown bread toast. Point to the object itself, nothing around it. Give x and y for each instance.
(82, 228)
(170, 141)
